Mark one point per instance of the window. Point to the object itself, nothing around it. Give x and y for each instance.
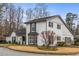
(58, 38)
(32, 39)
(58, 26)
(50, 24)
(33, 27)
(67, 39)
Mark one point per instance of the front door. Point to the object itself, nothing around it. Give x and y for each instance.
(23, 40)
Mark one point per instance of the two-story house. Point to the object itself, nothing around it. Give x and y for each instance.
(53, 23)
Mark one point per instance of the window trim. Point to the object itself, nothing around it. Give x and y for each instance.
(50, 24)
(68, 39)
(58, 38)
(32, 39)
(31, 27)
(58, 26)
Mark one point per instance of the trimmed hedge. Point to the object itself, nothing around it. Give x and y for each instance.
(61, 44)
(76, 41)
(47, 48)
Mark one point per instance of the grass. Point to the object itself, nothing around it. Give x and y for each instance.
(42, 49)
(4, 45)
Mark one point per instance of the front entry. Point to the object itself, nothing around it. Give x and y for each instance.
(32, 39)
(13, 39)
(23, 40)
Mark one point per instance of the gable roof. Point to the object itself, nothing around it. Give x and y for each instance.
(45, 19)
(7, 35)
(40, 19)
(20, 32)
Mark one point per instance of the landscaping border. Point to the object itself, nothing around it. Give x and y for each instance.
(43, 52)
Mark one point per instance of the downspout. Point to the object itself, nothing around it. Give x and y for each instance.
(26, 36)
(46, 29)
(46, 25)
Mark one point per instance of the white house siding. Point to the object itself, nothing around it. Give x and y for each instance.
(27, 31)
(13, 34)
(63, 32)
(44, 26)
(41, 26)
(8, 39)
(19, 39)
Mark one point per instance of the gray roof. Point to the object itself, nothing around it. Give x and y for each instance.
(21, 32)
(40, 19)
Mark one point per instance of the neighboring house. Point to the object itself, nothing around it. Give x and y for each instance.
(35, 27)
(21, 36)
(10, 38)
(18, 37)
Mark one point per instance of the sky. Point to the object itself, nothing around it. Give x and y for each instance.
(54, 8)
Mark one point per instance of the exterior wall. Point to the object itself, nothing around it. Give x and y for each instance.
(40, 27)
(43, 26)
(8, 39)
(63, 32)
(19, 39)
(27, 31)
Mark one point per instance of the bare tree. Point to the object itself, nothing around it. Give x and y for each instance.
(9, 17)
(48, 36)
(29, 14)
(3, 9)
(39, 11)
(19, 17)
(12, 17)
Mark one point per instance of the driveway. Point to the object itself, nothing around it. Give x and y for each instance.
(8, 52)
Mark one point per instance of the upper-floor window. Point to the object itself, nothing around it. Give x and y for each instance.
(58, 26)
(58, 38)
(50, 24)
(33, 27)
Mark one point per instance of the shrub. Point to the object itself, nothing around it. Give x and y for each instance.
(76, 42)
(61, 44)
(9, 42)
(47, 48)
(76, 39)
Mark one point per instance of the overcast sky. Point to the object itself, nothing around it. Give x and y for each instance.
(55, 8)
